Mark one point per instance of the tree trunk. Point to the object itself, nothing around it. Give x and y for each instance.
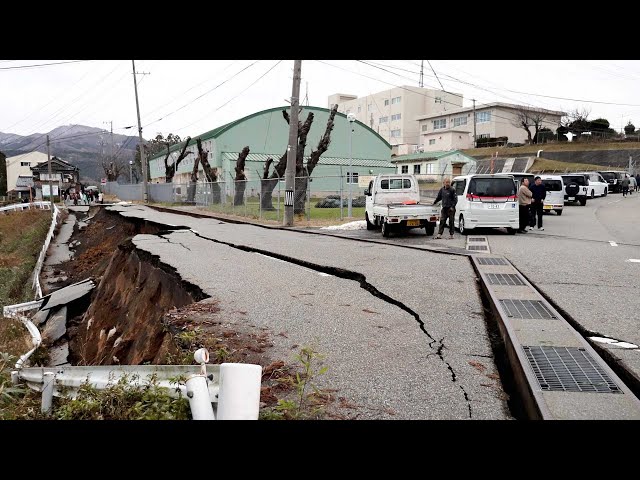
(268, 184)
(210, 174)
(170, 171)
(241, 178)
(191, 191)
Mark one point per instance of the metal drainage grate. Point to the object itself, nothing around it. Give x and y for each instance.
(491, 261)
(477, 247)
(569, 369)
(476, 239)
(504, 279)
(527, 309)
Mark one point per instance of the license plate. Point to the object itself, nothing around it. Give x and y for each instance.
(571, 198)
(413, 223)
(548, 207)
(494, 206)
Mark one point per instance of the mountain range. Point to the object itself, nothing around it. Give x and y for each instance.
(82, 146)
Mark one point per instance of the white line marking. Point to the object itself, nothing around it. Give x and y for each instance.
(612, 243)
(634, 260)
(613, 342)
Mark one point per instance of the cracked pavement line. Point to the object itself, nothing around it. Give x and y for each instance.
(437, 345)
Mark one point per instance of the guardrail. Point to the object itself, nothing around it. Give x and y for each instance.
(43, 253)
(26, 206)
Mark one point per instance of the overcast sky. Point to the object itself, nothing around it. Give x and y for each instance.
(94, 93)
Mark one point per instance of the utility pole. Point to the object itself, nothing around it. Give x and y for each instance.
(50, 180)
(111, 122)
(143, 160)
(421, 73)
(474, 123)
(290, 172)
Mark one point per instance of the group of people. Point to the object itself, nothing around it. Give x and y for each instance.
(630, 184)
(531, 204)
(83, 196)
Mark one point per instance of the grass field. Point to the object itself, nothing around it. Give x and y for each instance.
(548, 166)
(21, 237)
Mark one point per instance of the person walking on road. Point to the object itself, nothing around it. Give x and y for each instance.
(449, 201)
(637, 181)
(539, 192)
(524, 204)
(625, 186)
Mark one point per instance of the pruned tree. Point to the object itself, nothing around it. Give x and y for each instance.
(3, 174)
(526, 118)
(241, 178)
(304, 172)
(577, 121)
(628, 130)
(113, 169)
(210, 174)
(170, 170)
(152, 147)
(191, 191)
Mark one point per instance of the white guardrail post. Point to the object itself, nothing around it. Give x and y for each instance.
(239, 396)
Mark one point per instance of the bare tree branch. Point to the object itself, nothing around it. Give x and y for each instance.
(324, 142)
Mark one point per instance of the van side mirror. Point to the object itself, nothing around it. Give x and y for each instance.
(367, 192)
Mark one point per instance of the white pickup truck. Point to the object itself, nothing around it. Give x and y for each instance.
(393, 203)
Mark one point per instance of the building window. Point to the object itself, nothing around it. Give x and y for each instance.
(359, 108)
(432, 141)
(484, 135)
(395, 100)
(429, 168)
(416, 169)
(459, 121)
(352, 177)
(397, 116)
(25, 164)
(386, 102)
(425, 127)
(438, 100)
(395, 133)
(404, 169)
(383, 119)
(441, 123)
(483, 117)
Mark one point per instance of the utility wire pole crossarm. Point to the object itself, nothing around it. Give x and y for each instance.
(143, 160)
(290, 171)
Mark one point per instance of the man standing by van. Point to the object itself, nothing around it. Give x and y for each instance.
(539, 192)
(449, 201)
(524, 203)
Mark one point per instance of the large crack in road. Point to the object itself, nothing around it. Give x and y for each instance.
(437, 345)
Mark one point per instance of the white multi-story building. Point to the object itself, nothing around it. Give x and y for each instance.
(20, 166)
(454, 129)
(393, 113)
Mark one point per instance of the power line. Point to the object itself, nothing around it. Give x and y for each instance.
(42, 65)
(434, 72)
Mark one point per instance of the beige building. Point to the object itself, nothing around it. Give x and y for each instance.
(453, 130)
(20, 166)
(393, 113)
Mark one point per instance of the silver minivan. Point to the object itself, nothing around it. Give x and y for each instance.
(554, 200)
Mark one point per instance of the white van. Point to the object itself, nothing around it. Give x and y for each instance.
(554, 199)
(486, 201)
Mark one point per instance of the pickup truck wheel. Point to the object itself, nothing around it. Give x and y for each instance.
(430, 228)
(370, 226)
(385, 229)
(606, 191)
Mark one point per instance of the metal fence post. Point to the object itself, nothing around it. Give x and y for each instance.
(278, 216)
(47, 392)
(341, 215)
(308, 194)
(259, 195)
(239, 394)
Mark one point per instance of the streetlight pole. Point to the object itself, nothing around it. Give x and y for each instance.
(131, 171)
(50, 180)
(143, 160)
(290, 172)
(351, 118)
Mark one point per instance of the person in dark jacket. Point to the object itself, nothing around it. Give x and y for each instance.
(539, 192)
(449, 201)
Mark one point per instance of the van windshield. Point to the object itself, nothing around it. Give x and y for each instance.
(553, 185)
(492, 187)
(608, 175)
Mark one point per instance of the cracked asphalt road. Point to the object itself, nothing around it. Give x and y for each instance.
(382, 361)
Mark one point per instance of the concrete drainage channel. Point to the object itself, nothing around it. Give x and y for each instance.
(558, 375)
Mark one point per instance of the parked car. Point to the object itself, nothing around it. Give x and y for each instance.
(575, 188)
(598, 186)
(486, 201)
(614, 179)
(554, 199)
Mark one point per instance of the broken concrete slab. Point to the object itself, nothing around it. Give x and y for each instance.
(68, 294)
(59, 355)
(40, 317)
(55, 327)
